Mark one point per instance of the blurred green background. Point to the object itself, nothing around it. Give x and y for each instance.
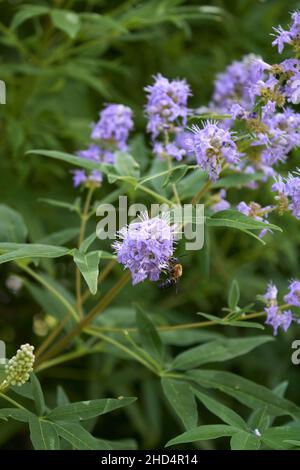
(57, 81)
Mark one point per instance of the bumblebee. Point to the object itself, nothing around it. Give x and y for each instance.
(174, 272)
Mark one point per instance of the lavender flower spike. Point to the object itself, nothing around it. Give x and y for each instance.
(144, 247)
(293, 296)
(167, 102)
(213, 146)
(113, 126)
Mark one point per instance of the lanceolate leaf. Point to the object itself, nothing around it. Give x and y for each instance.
(12, 225)
(149, 337)
(217, 351)
(79, 438)
(34, 251)
(203, 433)
(247, 392)
(235, 219)
(16, 413)
(244, 440)
(223, 412)
(88, 264)
(182, 399)
(88, 409)
(67, 21)
(38, 395)
(43, 434)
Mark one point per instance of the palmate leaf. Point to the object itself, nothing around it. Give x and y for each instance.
(182, 400)
(88, 409)
(236, 180)
(217, 351)
(204, 433)
(88, 265)
(247, 392)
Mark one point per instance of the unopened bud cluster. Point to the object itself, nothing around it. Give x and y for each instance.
(19, 366)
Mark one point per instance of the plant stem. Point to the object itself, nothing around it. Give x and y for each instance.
(122, 347)
(51, 289)
(11, 401)
(60, 345)
(84, 219)
(201, 192)
(66, 357)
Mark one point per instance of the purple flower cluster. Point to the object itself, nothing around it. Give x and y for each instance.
(167, 113)
(213, 147)
(219, 203)
(288, 197)
(276, 316)
(114, 126)
(257, 212)
(290, 36)
(111, 133)
(234, 86)
(93, 153)
(145, 247)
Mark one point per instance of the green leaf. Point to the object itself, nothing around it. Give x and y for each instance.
(88, 265)
(217, 351)
(38, 395)
(61, 396)
(148, 335)
(126, 165)
(175, 174)
(72, 159)
(203, 433)
(16, 413)
(235, 219)
(234, 295)
(277, 438)
(247, 392)
(79, 438)
(88, 242)
(237, 180)
(223, 412)
(67, 21)
(88, 409)
(12, 225)
(26, 12)
(63, 205)
(182, 399)
(43, 434)
(34, 251)
(244, 440)
(60, 237)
